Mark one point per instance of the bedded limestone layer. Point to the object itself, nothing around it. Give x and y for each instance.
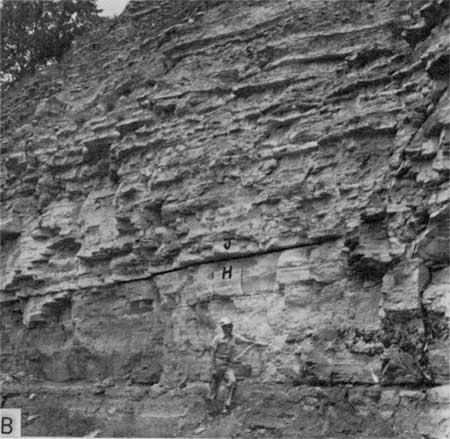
(284, 163)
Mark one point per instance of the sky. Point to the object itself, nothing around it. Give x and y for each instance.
(111, 7)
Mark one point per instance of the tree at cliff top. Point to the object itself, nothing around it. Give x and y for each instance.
(36, 32)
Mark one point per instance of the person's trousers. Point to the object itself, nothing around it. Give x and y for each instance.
(225, 373)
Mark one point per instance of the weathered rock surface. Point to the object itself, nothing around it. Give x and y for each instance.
(283, 163)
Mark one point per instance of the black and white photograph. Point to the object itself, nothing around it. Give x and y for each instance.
(225, 219)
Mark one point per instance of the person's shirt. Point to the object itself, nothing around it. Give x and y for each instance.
(224, 348)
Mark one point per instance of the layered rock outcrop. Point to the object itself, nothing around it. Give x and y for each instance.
(283, 163)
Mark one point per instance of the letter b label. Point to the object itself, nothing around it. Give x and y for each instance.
(10, 423)
(7, 425)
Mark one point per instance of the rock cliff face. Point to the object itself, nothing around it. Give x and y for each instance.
(284, 163)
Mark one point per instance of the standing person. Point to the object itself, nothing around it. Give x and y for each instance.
(223, 356)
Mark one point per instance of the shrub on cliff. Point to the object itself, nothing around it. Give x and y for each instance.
(35, 32)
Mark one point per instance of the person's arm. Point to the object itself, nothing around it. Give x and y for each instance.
(244, 340)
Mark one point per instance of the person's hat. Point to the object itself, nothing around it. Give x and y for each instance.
(225, 321)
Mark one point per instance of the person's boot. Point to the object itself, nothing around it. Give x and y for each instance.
(213, 391)
(227, 407)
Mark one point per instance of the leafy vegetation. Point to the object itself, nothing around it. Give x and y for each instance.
(36, 32)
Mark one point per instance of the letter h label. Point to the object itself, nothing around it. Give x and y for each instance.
(227, 271)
